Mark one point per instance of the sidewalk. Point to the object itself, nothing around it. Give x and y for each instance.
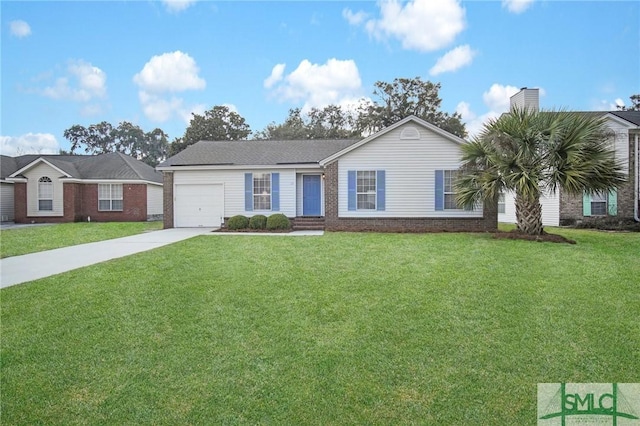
(19, 269)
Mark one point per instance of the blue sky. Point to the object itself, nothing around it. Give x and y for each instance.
(153, 63)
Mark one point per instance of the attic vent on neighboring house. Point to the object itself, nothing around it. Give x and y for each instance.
(410, 133)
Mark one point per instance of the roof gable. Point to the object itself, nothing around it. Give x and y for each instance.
(630, 116)
(54, 164)
(411, 119)
(110, 166)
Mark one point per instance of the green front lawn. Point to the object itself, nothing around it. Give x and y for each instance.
(18, 241)
(449, 329)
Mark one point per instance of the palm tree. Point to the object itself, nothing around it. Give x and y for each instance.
(529, 152)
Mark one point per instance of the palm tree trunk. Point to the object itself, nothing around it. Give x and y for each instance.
(529, 215)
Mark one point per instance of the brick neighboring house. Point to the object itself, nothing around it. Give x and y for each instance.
(399, 179)
(622, 204)
(109, 187)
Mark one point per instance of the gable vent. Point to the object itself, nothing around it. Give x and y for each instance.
(410, 133)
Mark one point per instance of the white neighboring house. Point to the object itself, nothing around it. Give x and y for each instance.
(562, 209)
(398, 179)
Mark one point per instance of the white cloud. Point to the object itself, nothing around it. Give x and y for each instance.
(454, 59)
(82, 83)
(516, 6)
(167, 73)
(170, 72)
(607, 105)
(176, 6)
(159, 109)
(356, 18)
(496, 99)
(423, 25)
(19, 28)
(276, 76)
(31, 143)
(318, 85)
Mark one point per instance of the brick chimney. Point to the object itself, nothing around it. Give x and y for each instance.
(526, 98)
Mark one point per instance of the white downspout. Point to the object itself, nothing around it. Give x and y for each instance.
(635, 196)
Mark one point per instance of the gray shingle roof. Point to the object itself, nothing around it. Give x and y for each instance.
(257, 153)
(630, 116)
(111, 166)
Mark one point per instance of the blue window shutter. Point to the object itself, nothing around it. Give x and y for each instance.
(380, 190)
(351, 188)
(586, 204)
(248, 192)
(439, 190)
(612, 204)
(275, 192)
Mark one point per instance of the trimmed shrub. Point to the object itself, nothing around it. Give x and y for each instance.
(258, 221)
(238, 222)
(278, 221)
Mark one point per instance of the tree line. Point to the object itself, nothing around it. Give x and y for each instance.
(393, 102)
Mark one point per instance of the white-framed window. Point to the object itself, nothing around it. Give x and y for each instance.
(110, 197)
(501, 203)
(262, 191)
(45, 194)
(450, 177)
(366, 189)
(599, 204)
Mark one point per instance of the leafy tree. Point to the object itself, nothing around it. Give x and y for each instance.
(635, 104)
(293, 128)
(217, 124)
(528, 152)
(404, 97)
(150, 147)
(330, 122)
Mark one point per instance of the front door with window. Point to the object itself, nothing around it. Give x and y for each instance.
(311, 195)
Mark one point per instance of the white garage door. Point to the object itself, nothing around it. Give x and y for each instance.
(198, 205)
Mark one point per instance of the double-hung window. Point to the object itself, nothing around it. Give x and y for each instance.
(366, 190)
(45, 194)
(604, 203)
(450, 177)
(501, 203)
(262, 191)
(599, 204)
(110, 197)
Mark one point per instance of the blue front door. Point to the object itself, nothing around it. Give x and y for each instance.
(311, 195)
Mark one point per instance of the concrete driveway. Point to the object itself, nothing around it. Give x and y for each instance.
(19, 269)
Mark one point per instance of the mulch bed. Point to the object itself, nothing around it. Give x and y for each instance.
(517, 235)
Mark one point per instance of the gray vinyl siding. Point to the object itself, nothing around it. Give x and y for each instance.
(6, 202)
(550, 209)
(154, 200)
(410, 166)
(233, 181)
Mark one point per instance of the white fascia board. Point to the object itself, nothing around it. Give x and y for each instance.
(16, 179)
(241, 167)
(413, 118)
(34, 163)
